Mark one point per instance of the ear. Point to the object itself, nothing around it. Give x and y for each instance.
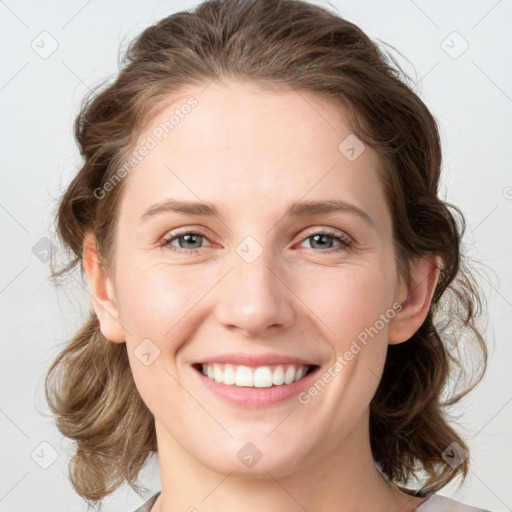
(102, 292)
(415, 299)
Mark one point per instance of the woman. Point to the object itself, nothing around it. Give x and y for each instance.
(270, 268)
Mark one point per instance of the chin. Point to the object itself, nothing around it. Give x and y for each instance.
(254, 460)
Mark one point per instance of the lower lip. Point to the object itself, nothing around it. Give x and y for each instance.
(256, 397)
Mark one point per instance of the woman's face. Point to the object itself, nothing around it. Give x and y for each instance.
(263, 287)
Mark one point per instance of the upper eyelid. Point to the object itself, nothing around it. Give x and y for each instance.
(173, 235)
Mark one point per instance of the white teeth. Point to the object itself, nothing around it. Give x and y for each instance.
(217, 373)
(244, 377)
(263, 377)
(300, 373)
(289, 375)
(278, 376)
(260, 377)
(229, 375)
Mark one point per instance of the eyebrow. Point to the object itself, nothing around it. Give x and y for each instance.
(297, 209)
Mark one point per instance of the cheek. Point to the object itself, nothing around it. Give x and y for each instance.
(351, 301)
(154, 298)
(153, 301)
(354, 314)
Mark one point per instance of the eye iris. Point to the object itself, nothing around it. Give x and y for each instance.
(187, 238)
(322, 236)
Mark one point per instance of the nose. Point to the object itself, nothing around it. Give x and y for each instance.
(255, 297)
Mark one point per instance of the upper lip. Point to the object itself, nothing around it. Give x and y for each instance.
(255, 360)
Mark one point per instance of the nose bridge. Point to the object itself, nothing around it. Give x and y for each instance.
(253, 296)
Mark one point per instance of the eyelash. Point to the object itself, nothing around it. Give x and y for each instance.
(345, 242)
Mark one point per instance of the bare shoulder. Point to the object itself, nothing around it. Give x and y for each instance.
(438, 503)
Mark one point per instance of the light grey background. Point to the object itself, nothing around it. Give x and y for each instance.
(469, 92)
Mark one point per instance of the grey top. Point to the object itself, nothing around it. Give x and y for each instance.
(434, 503)
(438, 503)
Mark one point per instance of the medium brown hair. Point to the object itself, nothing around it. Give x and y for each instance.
(287, 44)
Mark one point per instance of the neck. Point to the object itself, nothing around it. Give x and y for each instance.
(345, 479)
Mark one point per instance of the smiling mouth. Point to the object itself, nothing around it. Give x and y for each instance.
(255, 377)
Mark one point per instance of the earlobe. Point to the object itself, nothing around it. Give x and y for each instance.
(415, 307)
(102, 292)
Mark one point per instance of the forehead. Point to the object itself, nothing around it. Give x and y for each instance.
(241, 145)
